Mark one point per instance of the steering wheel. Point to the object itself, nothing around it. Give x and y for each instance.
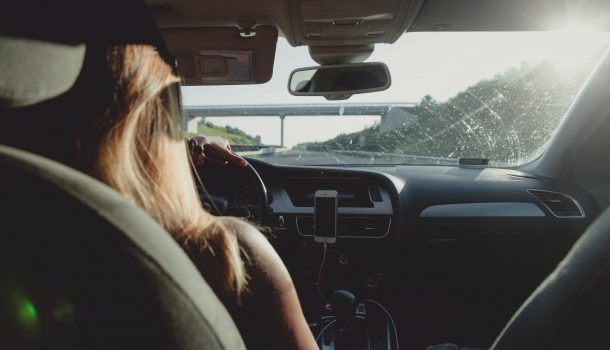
(212, 176)
(261, 191)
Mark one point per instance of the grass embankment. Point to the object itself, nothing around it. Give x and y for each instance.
(233, 135)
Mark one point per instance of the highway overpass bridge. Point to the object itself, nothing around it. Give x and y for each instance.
(194, 114)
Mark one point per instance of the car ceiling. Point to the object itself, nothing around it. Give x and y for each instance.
(431, 15)
(345, 31)
(515, 15)
(195, 13)
(313, 22)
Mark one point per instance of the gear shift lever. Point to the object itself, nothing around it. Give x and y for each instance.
(355, 333)
(344, 305)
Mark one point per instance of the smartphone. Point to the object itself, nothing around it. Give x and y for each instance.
(325, 216)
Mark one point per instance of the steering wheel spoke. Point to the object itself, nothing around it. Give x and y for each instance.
(255, 210)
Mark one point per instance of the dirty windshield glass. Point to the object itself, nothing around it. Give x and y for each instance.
(498, 96)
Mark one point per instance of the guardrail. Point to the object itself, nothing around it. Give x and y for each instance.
(262, 151)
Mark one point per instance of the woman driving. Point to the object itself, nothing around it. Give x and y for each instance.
(120, 124)
(137, 149)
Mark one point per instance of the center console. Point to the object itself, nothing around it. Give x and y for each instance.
(345, 288)
(356, 325)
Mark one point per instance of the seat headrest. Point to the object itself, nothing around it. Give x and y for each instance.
(43, 44)
(100, 271)
(33, 71)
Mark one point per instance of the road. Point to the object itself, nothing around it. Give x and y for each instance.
(301, 157)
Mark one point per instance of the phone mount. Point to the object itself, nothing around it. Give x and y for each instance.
(325, 216)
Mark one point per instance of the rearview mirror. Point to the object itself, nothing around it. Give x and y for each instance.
(339, 82)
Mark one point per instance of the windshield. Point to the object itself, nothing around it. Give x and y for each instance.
(498, 96)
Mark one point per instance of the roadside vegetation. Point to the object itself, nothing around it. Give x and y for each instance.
(504, 118)
(234, 135)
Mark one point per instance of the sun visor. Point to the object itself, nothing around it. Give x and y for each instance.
(223, 55)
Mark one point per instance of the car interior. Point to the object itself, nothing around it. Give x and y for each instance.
(468, 251)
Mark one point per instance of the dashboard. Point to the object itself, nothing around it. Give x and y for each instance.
(450, 251)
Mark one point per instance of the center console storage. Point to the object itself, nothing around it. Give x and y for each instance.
(356, 325)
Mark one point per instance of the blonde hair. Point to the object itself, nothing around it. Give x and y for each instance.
(139, 154)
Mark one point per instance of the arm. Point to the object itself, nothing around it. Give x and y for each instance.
(270, 316)
(212, 149)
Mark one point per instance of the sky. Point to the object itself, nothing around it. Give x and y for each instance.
(438, 64)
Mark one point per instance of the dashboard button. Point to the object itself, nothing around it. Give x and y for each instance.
(372, 281)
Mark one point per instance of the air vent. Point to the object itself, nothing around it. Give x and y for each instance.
(350, 227)
(560, 205)
(375, 194)
(352, 193)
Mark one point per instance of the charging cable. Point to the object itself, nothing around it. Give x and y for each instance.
(324, 329)
(320, 275)
(389, 316)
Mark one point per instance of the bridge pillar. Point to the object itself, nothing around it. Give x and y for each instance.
(192, 125)
(185, 120)
(383, 117)
(282, 117)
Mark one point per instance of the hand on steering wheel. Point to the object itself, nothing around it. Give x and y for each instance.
(213, 150)
(216, 150)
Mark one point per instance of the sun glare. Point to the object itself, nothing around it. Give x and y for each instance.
(575, 27)
(575, 44)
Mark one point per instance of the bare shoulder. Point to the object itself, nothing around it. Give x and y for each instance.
(272, 296)
(249, 237)
(261, 258)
